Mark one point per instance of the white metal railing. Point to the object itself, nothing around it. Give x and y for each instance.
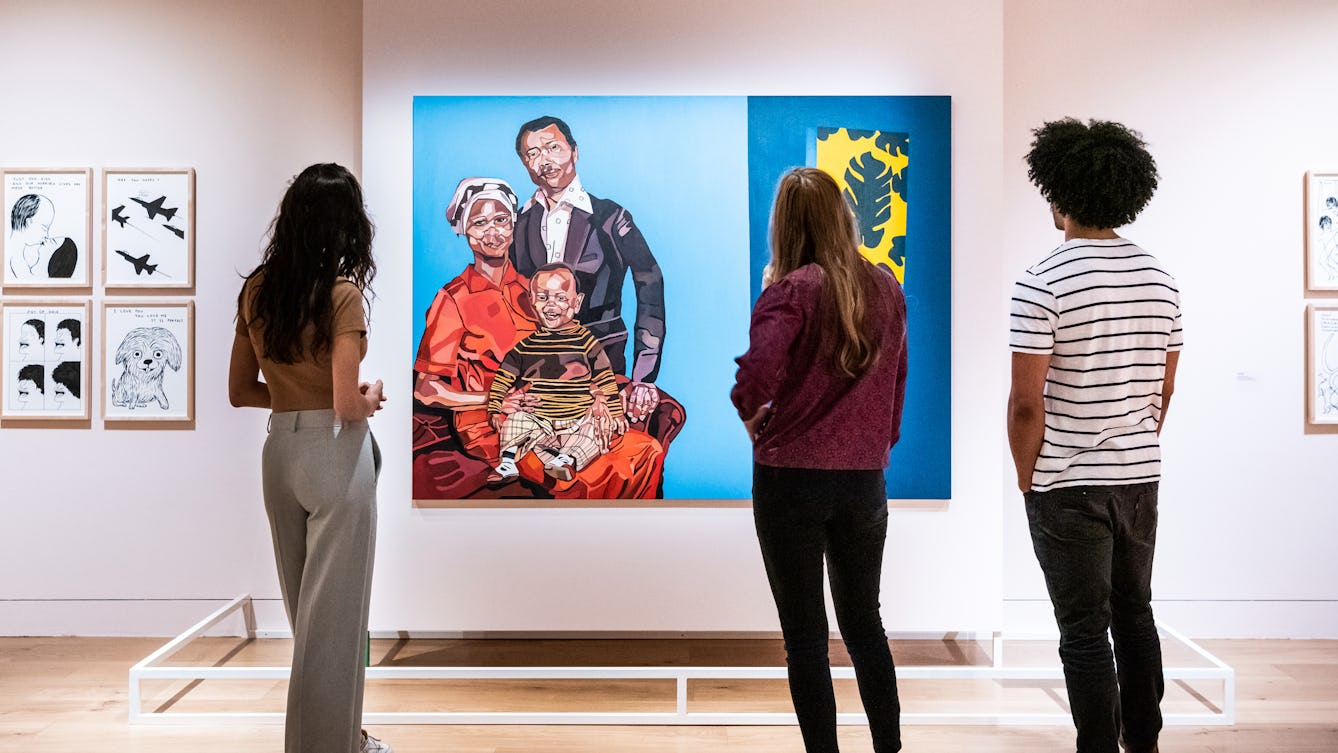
(151, 669)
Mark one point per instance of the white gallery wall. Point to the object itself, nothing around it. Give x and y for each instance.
(675, 569)
(142, 532)
(1235, 99)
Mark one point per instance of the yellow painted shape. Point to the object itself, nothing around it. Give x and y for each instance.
(834, 156)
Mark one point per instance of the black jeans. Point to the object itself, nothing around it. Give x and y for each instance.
(802, 515)
(1095, 547)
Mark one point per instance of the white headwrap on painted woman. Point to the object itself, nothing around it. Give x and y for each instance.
(472, 190)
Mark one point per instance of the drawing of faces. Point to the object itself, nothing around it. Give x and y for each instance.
(65, 386)
(67, 343)
(30, 219)
(1328, 238)
(32, 341)
(30, 386)
(30, 230)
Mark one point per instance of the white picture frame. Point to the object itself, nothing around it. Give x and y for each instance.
(48, 227)
(148, 361)
(1321, 336)
(44, 360)
(1321, 231)
(148, 228)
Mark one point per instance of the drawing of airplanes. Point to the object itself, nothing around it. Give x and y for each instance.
(155, 207)
(178, 232)
(118, 215)
(141, 263)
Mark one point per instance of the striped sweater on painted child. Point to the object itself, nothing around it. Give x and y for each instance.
(558, 365)
(1106, 313)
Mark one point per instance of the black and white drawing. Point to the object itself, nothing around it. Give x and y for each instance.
(1322, 231)
(148, 371)
(148, 228)
(1322, 339)
(45, 353)
(47, 227)
(155, 207)
(144, 357)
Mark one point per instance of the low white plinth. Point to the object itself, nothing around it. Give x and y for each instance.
(150, 669)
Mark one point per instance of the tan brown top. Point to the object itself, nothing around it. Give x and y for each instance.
(307, 384)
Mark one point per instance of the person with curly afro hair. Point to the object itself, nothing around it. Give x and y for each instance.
(1095, 338)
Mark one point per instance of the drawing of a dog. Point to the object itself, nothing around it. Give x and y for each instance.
(143, 355)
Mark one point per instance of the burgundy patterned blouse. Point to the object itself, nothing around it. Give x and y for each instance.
(820, 418)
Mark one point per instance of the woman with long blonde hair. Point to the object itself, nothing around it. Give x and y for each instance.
(820, 392)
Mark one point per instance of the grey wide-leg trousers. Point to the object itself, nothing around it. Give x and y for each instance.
(320, 494)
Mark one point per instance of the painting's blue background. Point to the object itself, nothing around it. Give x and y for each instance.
(679, 165)
(778, 135)
(698, 175)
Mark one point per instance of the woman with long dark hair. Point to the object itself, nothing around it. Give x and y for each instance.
(301, 323)
(820, 391)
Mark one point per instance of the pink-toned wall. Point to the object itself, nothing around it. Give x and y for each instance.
(141, 531)
(1237, 101)
(120, 532)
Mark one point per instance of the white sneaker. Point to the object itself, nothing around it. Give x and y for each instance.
(372, 745)
(504, 472)
(560, 467)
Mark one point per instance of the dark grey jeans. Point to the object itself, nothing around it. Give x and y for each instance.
(803, 516)
(1095, 547)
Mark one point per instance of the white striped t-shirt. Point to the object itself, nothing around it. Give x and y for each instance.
(1106, 313)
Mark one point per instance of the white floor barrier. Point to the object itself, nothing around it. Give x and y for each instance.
(151, 668)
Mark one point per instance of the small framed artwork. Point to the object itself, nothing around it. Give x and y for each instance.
(1321, 231)
(148, 361)
(1321, 337)
(48, 227)
(148, 228)
(45, 359)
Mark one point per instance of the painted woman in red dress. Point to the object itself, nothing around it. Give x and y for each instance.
(472, 323)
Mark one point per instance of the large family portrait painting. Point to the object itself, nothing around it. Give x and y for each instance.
(584, 269)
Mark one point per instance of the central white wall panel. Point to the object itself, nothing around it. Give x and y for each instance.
(678, 569)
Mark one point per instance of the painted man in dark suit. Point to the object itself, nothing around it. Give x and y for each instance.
(598, 239)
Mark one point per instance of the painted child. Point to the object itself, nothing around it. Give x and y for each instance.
(568, 404)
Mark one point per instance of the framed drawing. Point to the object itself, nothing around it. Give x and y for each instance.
(48, 227)
(148, 228)
(148, 361)
(45, 359)
(667, 268)
(1321, 337)
(1321, 231)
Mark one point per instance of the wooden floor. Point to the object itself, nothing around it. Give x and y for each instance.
(68, 695)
